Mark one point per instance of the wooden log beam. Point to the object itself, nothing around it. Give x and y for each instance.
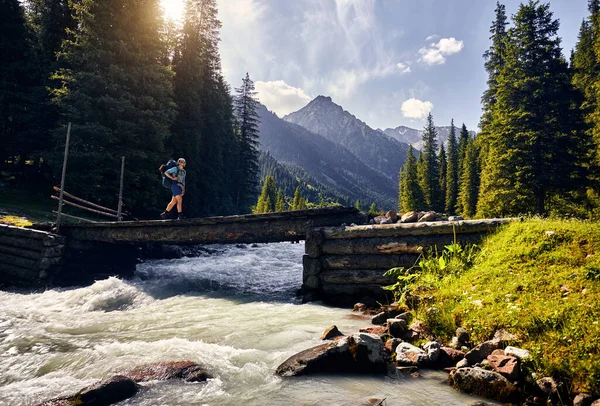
(21, 252)
(345, 262)
(311, 266)
(428, 228)
(77, 199)
(29, 233)
(27, 263)
(393, 245)
(356, 277)
(85, 208)
(31, 244)
(12, 275)
(288, 226)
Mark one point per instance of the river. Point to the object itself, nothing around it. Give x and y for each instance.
(232, 309)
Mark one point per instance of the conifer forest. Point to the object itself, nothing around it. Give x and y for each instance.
(135, 84)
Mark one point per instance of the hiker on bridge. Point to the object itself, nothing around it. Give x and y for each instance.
(177, 175)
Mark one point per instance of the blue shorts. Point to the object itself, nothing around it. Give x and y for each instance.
(177, 190)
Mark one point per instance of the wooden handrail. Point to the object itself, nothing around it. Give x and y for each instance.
(97, 206)
(85, 208)
(74, 217)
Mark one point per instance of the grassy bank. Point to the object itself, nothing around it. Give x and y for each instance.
(539, 280)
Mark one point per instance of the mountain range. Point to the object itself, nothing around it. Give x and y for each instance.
(334, 155)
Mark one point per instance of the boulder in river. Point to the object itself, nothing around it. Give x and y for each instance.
(359, 353)
(482, 351)
(108, 392)
(488, 384)
(184, 370)
(331, 333)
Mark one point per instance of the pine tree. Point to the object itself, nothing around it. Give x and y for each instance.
(373, 210)
(280, 204)
(18, 84)
(469, 182)
(429, 170)
(298, 202)
(267, 201)
(494, 62)
(463, 141)
(535, 130)
(442, 164)
(204, 130)
(410, 194)
(452, 171)
(357, 205)
(245, 110)
(109, 65)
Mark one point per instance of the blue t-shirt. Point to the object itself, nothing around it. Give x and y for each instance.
(180, 175)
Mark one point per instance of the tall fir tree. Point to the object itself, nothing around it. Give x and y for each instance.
(429, 171)
(109, 64)
(469, 182)
(280, 204)
(452, 171)
(248, 133)
(18, 84)
(203, 130)
(535, 130)
(494, 62)
(410, 195)
(298, 202)
(267, 201)
(443, 165)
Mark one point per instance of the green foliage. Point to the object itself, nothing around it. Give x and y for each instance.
(267, 201)
(373, 210)
(357, 205)
(428, 168)
(109, 62)
(537, 147)
(280, 205)
(403, 279)
(537, 279)
(247, 162)
(442, 164)
(452, 171)
(410, 194)
(299, 203)
(469, 182)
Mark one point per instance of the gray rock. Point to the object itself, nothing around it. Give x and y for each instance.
(428, 216)
(359, 353)
(185, 370)
(519, 353)
(330, 333)
(410, 217)
(407, 370)
(482, 351)
(433, 349)
(397, 327)
(462, 336)
(455, 218)
(409, 355)
(463, 363)
(583, 399)
(408, 316)
(488, 384)
(108, 392)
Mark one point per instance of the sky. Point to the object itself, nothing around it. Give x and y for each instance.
(388, 62)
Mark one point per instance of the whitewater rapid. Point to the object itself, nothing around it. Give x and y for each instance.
(232, 309)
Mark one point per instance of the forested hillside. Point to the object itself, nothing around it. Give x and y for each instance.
(133, 86)
(538, 148)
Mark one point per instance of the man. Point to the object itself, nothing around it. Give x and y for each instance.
(177, 175)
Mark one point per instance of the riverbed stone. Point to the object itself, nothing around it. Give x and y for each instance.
(428, 216)
(397, 327)
(410, 217)
(505, 365)
(381, 318)
(453, 354)
(519, 353)
(433, 350)
(583, 399)
(331, 333)
(104, 393)
(408, 355)
(392, 215)
(408, 316)
(359, 353)
(488, 384)
(392, 344)
(185, 370)
(482, 351)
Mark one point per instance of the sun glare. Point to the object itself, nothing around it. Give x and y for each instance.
(173, 9)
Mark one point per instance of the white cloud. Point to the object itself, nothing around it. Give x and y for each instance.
(432, 37)
(403, 68)
(280, 97)
(414, 108)
(435, 54)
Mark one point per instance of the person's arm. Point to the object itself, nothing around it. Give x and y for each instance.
(170, 176)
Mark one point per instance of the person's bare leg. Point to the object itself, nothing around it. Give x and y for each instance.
(172, 203)
(179, 203)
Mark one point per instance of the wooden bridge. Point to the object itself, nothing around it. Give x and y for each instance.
(252, 228)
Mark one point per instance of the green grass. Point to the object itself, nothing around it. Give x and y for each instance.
(34, 205)
(539, 280)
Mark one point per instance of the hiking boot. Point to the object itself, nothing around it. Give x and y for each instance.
(164, 215)
(180, 217)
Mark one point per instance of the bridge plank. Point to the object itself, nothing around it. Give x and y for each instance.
(346, 262)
